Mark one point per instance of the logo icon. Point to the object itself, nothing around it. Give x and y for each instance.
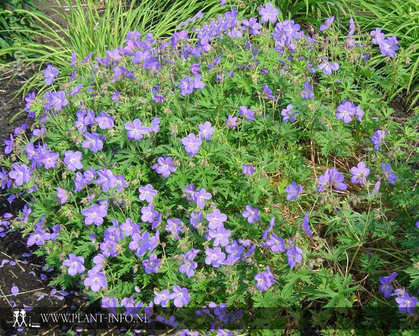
(19, 316)
(19, 319)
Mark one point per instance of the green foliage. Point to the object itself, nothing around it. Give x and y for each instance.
(93, 29)
(360, 233)
(16, 27)
(400, 18)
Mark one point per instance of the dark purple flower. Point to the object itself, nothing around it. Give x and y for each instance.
(189, 265)
(231, 122)
(201, 196)
(195, 68)
(268, 13)
(147, 193)
(214, 257)
(377, 139)
(336, 179)
(268, 91)
(72, 160)
(264, 280)
(191, 144)
(186, 86)
(289, 114)
(93, 142)
(49, 74)
(220, 235)
(62, 194)
(407, 303)
(151, 265)
(105, 121)
(196, 218)
(55, 100)
(162, 298)
(106, 179)
(252, 214)
(216, 219)
(95, 280)
(252, 26)
(248, 169)
(391, 177)
(136, 130)
(205, 130)
(269, 228)
(94, 214)
(9, 144)
(140, 243)
(389, 46)
(14, 290)
(385, 284)
(295, 256)
(190, 192)
(359, 113)
(174, 226)
(164, 166)
(275, 243)
(248, 114)
(327, 23)
(306, 226)
(377, 36)
(158, 98)
(180, 296)
(48, 159)
(307, 92)
(20, 174)
(148, 213)
(360, 173)
(328, 67)
(293, 191)
(74, 264)
(346, 111)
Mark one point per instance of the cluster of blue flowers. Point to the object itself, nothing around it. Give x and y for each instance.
(223, 246)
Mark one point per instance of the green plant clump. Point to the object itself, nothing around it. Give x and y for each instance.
(254, 165)
(16, 26)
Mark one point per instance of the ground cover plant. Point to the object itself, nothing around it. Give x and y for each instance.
(399, 18)
(95, 27)
(251, 165)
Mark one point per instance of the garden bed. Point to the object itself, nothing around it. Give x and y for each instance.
(274, 175)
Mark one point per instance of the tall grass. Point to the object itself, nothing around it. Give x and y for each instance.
(95, 28)
(397, 17)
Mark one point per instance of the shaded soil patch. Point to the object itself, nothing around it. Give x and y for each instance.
(9, 107)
